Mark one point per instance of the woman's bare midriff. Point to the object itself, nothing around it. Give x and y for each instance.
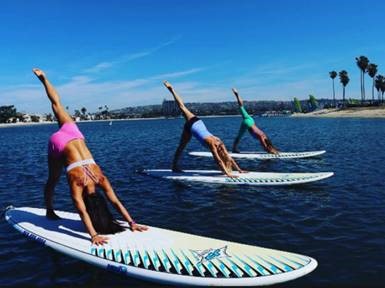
(76, 150)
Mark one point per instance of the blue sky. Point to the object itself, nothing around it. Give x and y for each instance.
(117, 52)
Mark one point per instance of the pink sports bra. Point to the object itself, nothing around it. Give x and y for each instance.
(68, 131)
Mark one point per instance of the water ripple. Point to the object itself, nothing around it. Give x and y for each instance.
(338, 221)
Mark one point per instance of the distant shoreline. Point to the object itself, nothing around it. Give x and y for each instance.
(359, 112)
(23, 124)
(353, 112)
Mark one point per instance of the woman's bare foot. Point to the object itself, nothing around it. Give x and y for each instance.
(177, 170)
(240, 102)
(39, 73)
(50, 214)
(168, 85)
(235, 150)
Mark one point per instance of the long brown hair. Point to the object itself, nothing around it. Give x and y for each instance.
(225, 156)
(90, 177)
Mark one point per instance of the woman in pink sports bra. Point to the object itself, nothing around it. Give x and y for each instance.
(66, 147)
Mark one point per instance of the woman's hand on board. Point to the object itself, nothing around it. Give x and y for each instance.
(136, 227)
(99, 239)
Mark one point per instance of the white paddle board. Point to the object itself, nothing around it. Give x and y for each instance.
(162, 255)
(249, 178)
(264, 155)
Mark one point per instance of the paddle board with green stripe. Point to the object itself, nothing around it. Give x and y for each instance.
(161, 255)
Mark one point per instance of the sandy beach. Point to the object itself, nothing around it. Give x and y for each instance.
(358, 112)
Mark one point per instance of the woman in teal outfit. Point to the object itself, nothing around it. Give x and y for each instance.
(249, 124)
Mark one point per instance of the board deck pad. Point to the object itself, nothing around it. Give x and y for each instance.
(161, 255)
(264, 155)
(249, 178)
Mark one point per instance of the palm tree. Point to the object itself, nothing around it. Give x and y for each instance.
(333, 74)
(84, 111)
(344, 79)
(297, 105)
(106, 110)
(377, 83)
(49, 117)
(372, 71)
(382, 88)
(362, 63)
(100, 112)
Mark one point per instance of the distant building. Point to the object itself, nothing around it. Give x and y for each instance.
(13, 120)
(27, 118)
(170, 108)
(276, 113)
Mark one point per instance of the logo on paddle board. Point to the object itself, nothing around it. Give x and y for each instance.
(117, 269)
(34, 237)
(210, 254)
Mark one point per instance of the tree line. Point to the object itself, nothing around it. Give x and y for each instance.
(378, 81)
(8, 113)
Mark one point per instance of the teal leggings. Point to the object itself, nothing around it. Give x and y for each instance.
(246, 124)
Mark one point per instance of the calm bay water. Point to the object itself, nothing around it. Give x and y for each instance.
(338, 221)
